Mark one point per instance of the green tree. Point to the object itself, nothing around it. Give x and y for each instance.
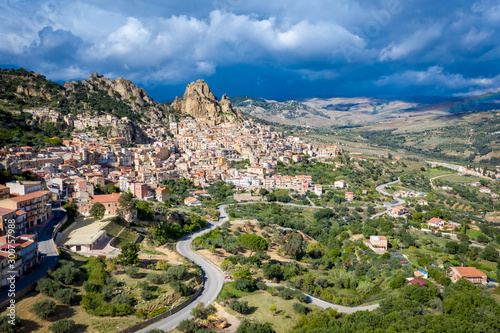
(63, 326)
(490, 253)
(247, 326)
(48, 286)
(65, 296)
(44, 309)
(253, 242)
(130, 254)
(71, 210)
(97, 211)
(9, 325)
(187, 326)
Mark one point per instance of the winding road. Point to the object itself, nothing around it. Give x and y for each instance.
(214, 278)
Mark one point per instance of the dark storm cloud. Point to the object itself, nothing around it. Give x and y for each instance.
(274, 49)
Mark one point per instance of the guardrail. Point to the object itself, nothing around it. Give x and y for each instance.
(164, 315)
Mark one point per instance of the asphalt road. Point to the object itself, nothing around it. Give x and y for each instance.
(381, 189)
(214, 279)
(49, 253)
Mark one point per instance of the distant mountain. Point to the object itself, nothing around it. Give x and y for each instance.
(341, 112)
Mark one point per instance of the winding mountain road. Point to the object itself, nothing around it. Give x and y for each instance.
(214, 278)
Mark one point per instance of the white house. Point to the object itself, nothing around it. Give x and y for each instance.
(339, 184)
(190, 201)
(318, 190)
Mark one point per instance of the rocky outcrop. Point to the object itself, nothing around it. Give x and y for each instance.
(124, 90)
(129, 130)
(199, 102)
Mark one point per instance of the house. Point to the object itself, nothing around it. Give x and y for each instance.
(4, 192)
(110, 202)
(190, 201)
(423, 202)
(418, 281)
(318, 190)
(435, 222)
(484, 190)
(421, 274)
(472, 274)
(339, 183)
(162, 194)
(84, 241)
(201, 193)
(37, 205)
(349, 196)
(399, 210)
(379, 242)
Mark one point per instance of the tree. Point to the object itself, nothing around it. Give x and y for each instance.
(71, 210)
(249, 327)
(63, 326)
(300, 308)
(239, 306)
(44, 309)
(127, 209)
(131, 271)
(130, 254)
(146, 294)
(9, 325)
(110, 188)
(243, 285)
(490, 253)
(293, 245)
(253, 242)
(48, 286)
(67, 274)
(273, 309)
(187, 326)
(65, 296)
(97, 211)
(273, 271)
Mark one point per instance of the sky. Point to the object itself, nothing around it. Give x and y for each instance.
(275, 49)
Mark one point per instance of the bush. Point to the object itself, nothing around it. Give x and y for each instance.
(261, 285)
(107, 291)
(132, 271)
(285, 293)
(65, 296)
(63, 326)
(44, 309)
(176, 272)
(146, 294)
(243, 285)
(154, 278)
(67, 274)
(300, 308)
(7, 327)
(250, 327)
(48, 286)
(180, 287)
(91, 287)
(122, 299)
(253, 242)
(143, 284)
(239, 306)
(187, 326)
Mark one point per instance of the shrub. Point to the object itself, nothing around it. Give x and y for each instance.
(146, 294)
(243, 285)
(252, 327)
(285, 293)
(176, 272)
(187, 326)
(44, 309)
(48, 286)
(300, 308)
(253, 242)
(143, 284)
(107, 291)
(261, 285)
(65, 296)
(132, 271)
(154, 278)
(67, 274)
(7, 327)
(63, 326)
(180, 287)
(122, 299)
(239, 306)
(91, 287)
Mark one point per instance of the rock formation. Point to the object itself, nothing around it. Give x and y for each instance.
(125, 90)
(199, 102)
(129, 130)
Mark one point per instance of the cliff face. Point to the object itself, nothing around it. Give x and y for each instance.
(125, 91)
(129, 130)
(200, 103)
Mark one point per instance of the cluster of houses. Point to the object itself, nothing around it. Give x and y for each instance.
(484, 189)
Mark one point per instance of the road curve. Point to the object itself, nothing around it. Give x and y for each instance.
(213, 277)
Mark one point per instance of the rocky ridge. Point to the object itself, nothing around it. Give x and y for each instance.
(200, 103)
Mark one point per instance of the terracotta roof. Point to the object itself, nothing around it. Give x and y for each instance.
(29, 196)
(106, 198)
(468, 271)
(5, 211)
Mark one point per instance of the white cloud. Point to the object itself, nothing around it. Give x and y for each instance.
(416, 42)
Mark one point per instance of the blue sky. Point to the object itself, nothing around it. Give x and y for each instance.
(273, 49)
